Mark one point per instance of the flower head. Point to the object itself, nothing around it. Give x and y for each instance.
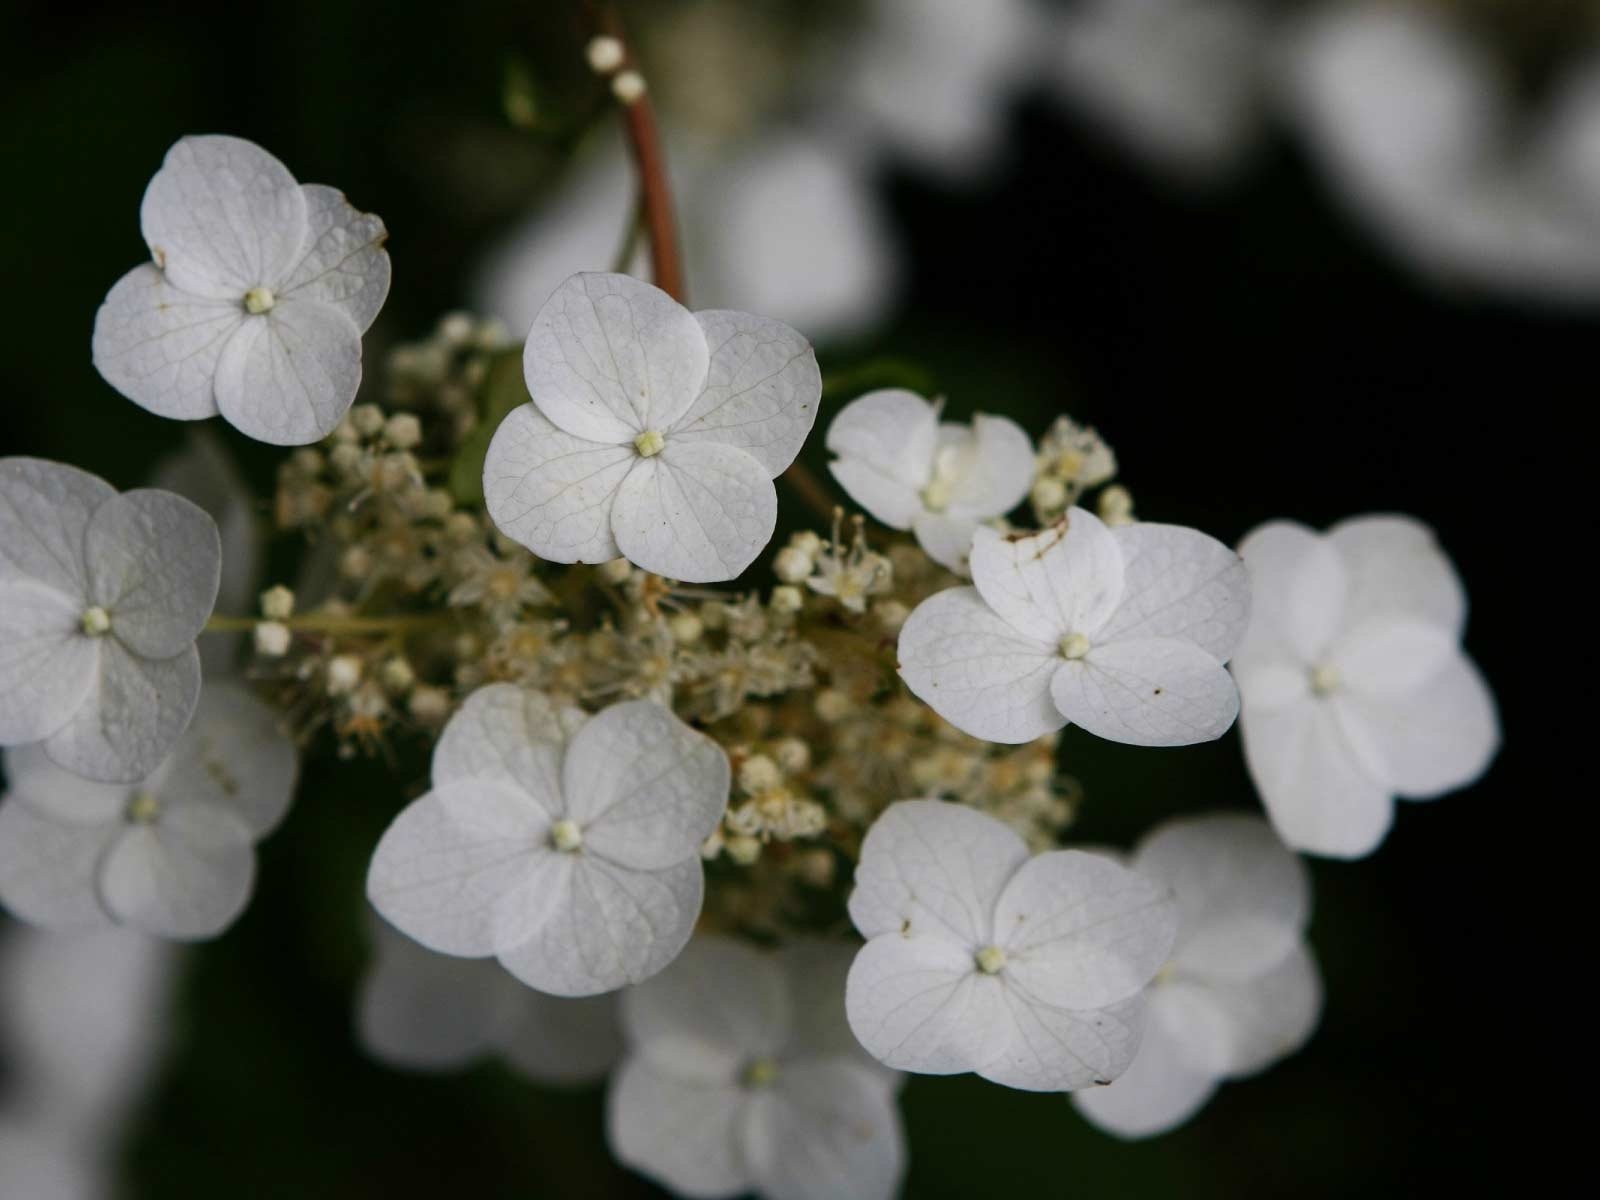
(654, 433)
(1241, 989)
(981, 958)
(742, 1076)
(1122, 631)
(171, 855)
(940, 480)
(101, 599)
(566, 846)
(1354, 686)
(256, 299)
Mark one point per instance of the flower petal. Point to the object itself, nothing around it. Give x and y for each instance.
(824, 1131)
(507, 734)
(48, 867)
(815, 972)
(1147, 692)
(1397, 569)
(187, 877)
(47, 665)
(762, 390)
(155, 563)
(1319, 797)
(720, 1005)
(1298, 585)
(1429, 741)
(892, 433)
(1179, 583)
(132, 717)
(1160, 1091)
(222, 216)
(551, 491)
(562, 1040)
(678, 1132)
(998, 469)
(609, 926)
(287, 377)
(947, 540)
(159, 346)
(895, 504)
(1389, 658)
(54, 792)
(343, 263)
(609, 357)
(645, 788)
(1048, 1048)
(698, 511)
(932, 869)
(1243, 898)
(920, 1004)
(1272, 1015)
(1065, 579)
(236, 758)
(445, 865)
(976, 671)
(44, 509)
(1081, 932)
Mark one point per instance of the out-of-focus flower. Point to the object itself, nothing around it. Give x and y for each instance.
(653, 433)
(980, 957)
(255, 301)
(101, 599)
(938, 479)
(1121, 631)
(1241, 989)
(742, 1076)
(1354, 686)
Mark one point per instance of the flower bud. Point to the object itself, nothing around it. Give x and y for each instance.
(277, 603)
(272, 639)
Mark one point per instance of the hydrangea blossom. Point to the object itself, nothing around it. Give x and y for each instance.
(172, 855)
(1122, 631)
(256, 299)
(566, 847)
(1241, 989)
(432, 1012)
(101, 599)
(742, 1077)
(981, 958)
(654, 433)
(1354, 685)
(938, 479)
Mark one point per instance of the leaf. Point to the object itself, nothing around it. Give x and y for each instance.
(503, 390)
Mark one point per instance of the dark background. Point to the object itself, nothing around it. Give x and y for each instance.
(1249, 354)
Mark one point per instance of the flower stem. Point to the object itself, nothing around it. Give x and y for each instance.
(334, 623)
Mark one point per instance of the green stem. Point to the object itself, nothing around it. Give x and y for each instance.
(333, 623)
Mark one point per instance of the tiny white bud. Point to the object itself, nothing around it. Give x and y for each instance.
(461, 528)
(277, 603)
(833, 705)
(367, 419)
(272, 639)
(456, 328)
(744, 849)
(344, 673)
(1049, 493)
(259, 300)
(1074, 646)
(891, 614)
(344, 431)
(396, 675)
(355, 563)
(345, 458)
(95, 621)
(428, 704)
(792, 754)
(605, 55)
(787, 599)
(403, 431)
(758, 774)
(307, 460)
(686, 628)
(616, 570)
(793, 564)
(1116, 505)
(808, 543)
(991, 960)
(628, 86)
(649, 443)
(566, 836)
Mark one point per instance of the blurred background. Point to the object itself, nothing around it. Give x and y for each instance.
(1298, 260)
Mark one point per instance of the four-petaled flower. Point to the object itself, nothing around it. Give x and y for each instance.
(256, 300)
(1354, 685)
(1122, 631)
(980, 958)
(742, 1076)
(424, 1011)
(101, 599)
(1241, 989)
(939, 480)
(567, 847)
(654, 433)
(172, 855)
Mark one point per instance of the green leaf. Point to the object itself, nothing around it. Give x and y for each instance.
(503, 390)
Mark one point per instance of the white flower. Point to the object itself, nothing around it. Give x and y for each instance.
(101, 599)
(654, 433)
(940, 480)
(1241, 989)
(256, 299)
(980, 958)
(172, 855)
(742, 1076)
(431, 1012)
(1122, 631)
(566, 847)
(1354, 685)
